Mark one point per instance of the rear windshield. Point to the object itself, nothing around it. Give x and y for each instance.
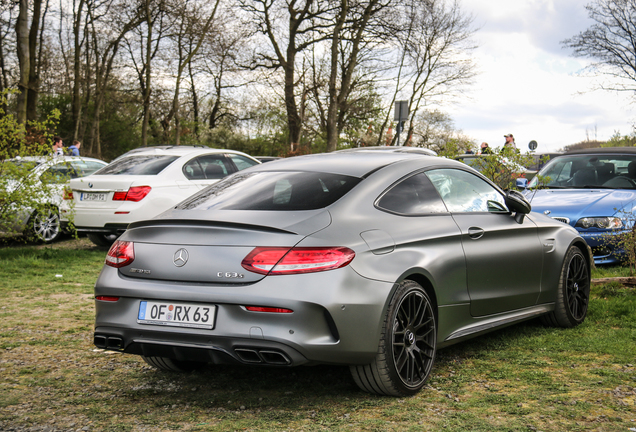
(138, 165)
(284, 191)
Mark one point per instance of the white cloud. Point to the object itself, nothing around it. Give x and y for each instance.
(528, 84)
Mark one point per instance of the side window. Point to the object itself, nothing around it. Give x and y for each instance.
(412, 196)
(241, 162)
(193, 171)
(58, 173)
(211, 167)
(465, 192)
(84, 168)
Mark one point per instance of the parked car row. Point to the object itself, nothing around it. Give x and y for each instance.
(372, 258)
(589, 189)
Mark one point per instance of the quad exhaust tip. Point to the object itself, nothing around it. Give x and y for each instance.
(262, 356)
(108, 342)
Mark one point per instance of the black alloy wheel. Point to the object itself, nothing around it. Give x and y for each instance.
(577, 287)
(407, 347)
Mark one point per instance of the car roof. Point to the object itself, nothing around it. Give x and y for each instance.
(177, 151)
(603, 150)
(41, 159)
(355, 163)
(397, 149)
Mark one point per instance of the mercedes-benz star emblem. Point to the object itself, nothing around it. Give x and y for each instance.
(180, 257)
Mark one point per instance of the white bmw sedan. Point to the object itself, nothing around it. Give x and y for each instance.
(146, 183)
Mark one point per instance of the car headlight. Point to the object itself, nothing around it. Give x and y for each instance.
(600, 222)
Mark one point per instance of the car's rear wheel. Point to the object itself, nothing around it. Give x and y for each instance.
(407, 347)
(45, 225)
(104, 240)
(573, 293)
(172, 365)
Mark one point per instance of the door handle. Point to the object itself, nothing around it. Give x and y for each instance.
(475, 233)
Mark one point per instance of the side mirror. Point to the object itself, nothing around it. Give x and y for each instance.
(522, 183)
(517, 203)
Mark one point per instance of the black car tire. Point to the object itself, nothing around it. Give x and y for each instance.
(406, 352)
(573, 294)
(172, 365)
(45, 226)
(104, 240)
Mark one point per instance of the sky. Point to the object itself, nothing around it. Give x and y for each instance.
(529, 85)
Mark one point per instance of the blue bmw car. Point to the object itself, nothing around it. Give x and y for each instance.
(593, 190)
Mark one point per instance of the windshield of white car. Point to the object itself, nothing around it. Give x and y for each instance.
(138, 165)
(280, 191)
(587, 171)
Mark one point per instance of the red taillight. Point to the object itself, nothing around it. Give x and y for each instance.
(268, 309)
(135, 193)
(68, 195)
(279, 261)
(120, 254)
(107, 298)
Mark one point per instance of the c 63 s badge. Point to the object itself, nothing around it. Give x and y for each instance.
(142, 271)
(230, 275)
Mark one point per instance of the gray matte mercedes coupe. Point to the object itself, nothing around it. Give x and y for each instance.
(368, 259)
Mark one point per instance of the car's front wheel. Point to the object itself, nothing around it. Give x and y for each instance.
(45, 225)
(172, 365)
(407, 347)
(573, 294)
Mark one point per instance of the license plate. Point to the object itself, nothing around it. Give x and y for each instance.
(177, 314)
(92, 196)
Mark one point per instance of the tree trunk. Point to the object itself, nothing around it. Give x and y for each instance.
(294, 121)
(3, 75)
(195, 101)
(22, 42)
(332, 107)
(148, 77)
(76, 102)
(34, 75)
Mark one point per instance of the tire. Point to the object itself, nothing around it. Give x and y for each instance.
(171, 365)
(573, 294)
(45, 226)
(407, 347)
(103, 240)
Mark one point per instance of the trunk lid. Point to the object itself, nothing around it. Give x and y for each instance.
(207, 251)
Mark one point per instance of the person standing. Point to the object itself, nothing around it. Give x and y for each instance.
(485, 149)
(58, 145)
(510, 143)
(74, 148)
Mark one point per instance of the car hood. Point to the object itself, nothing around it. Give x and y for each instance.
(577, 203)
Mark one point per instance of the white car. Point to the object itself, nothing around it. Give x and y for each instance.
(146, 183)
(55, 172)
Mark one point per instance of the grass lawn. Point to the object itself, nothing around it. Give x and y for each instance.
(523, 378)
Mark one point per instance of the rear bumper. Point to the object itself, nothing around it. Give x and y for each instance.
(337, 318)
(216, 350)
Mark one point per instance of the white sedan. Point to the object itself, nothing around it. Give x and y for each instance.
(53, 173)
(145, 183)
